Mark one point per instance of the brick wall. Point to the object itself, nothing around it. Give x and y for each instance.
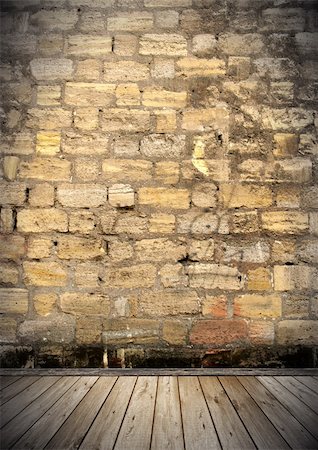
(159, 161)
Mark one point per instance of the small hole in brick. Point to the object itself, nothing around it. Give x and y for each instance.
(55, 243)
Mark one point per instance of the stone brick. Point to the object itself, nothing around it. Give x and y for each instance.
(7, 220)
(9, 273)
(203, 44)
(213, 169)
(86, 275)
(125, 44)
(204, 195)
(130, 224)
(164, 197)
(126, 170)
(48, 143)
(160, 249)
(286, 144)
(88, 70)
(286, 119)
(162, 223)
(313, 223)
(288, 198)
(14, 301)
(71, 247)
(218, 332)
(199, 222)
(215, 306)
(289, 278)
(133, 120)
(89, 145)
(259, 279)
(256, 306)
(89, 94)
(41, 220)
(134, 21)
(163, 45)
(167, 3)
(172, 275)
(81, 303)
(125, 71)
(213, 276)
(92, 3)
(121, 196)
(128, 95)
(51, 69)
(296, 307)
(163, 68)
(58, 19)
(308, 251)
(50, 44)
(86, 118)
(166, 121)
(165, 146)
(82, 222)
(310, 197)
(87, 169)
(284, 251)
(132, 277)
(282, 92)
(10, 167)
(8, 327)
(131, 331)
(44, 274)
(239, 67)
(306, 44)
(12, 193)
(169, 303)
(201, 249)
(82, 195)
(48, 95)
(167, 19)
(283, 19)
(200, 67)
(174, 332)
(254, 252)
(276, 68)
(167, 172)
(19, 144)
(45, 304)
(39, 247)
(160, 98)
(261, 332)
(92, 22)
(241, 45)
(120, 251)
(296, 170)
(297, 332)
(12, 247)
(49, 119)
(286, 222)
(206, 119)
(248, 196)
(41, 194)
(55, 329)
(88, 330)
(126, 146)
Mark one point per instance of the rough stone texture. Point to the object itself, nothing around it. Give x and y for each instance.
(158, 179)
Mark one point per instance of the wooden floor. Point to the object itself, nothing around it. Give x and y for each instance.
(159, 412)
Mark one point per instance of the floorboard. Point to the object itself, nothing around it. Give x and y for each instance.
(156, 412)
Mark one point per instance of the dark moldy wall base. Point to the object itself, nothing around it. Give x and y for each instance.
(98, 357)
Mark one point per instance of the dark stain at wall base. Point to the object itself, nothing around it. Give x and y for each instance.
(94, 357)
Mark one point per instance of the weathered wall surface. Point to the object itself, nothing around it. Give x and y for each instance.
(159, 168)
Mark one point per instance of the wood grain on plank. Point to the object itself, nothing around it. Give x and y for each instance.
(72, 432)
(301, 391)
(199, 431)
(167, 427)
(135, 432)
(292, 431)
(296, 407)
(14, 406)
(310, 382)
(41, 432)
(104, 430)
(229, 427)
(11, 432)
(14, 389)
(7, 380)
(262, 431)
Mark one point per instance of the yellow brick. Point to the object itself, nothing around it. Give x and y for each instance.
(86, 118)
(163, 45)
(44, 304)
(160, 98)
(259, 279)
(87, 169)
(14, 301)
(288, 197)
(88, 144)
(88, 45)
(258, 306)
(7, 220)
(81, 221)
(169, 303)
(88, 330)
(44, 274)
(125, 71)
(174, 332)
(283, 251)
(88, 70)
(71, 247)
(10, 167)
(51, 69)
(248, 196)
(173, 275)
(132, 170)
(48, 142)
(297, 332)
(86, 274)
(200, 67)
(127, 331)
(133, 120)
(41, 220)
(121, 196)
(166, 121)
(131, 277)
(82, 195)
(167, 172)
(261, 332)
(201, 119)
(41, 194)
(125, 44)
(85, 303)
(49, 95)
(287, 222)
(120, 251)
(39, 248)
(164, 198)
(212, 169)
(128, 95)
(8, 328)
(50, 44)
(12, 247)
(162, 223)
(49, 119)
(135, 21)
(89, 94)
(159, 249)
(9, 274)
